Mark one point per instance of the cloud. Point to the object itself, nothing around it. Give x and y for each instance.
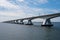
(29, 10)
(21, 0)
(41, 1)
(21, 9)
(7, 4)
(35, 2)
(40, 11)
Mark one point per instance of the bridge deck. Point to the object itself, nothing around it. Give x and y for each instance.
(43, 16)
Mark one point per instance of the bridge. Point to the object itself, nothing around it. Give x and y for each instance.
(46, 18)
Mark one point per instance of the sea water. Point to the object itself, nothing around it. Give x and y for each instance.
(29, 32)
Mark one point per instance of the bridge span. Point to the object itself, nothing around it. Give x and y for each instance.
(46, 22)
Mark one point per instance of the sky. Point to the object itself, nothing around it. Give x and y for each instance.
(16, 9)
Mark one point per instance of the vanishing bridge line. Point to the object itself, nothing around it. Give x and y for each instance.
(46, 21)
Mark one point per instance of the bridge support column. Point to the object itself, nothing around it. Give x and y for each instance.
(16, 21)
(47, 22)
(29, 22)
(21, 22)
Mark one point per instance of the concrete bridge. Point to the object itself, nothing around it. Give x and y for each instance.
(46, 22)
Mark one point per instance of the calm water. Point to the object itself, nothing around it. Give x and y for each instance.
(26, 32)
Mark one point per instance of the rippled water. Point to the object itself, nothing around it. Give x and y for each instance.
(29, 32)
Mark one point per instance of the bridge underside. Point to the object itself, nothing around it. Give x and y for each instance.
(29, 22)
(46, 21)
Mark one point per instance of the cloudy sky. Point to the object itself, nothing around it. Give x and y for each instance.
(14, 9)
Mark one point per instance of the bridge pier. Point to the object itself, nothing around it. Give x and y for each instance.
(16, 21)
(29, 22)
(47, 22)
(21, 22)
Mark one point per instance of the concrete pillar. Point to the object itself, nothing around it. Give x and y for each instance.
(47, 22)
(16, 21)
(29, 22)
(21, 22)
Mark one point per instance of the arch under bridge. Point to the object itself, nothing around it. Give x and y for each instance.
(46, 21)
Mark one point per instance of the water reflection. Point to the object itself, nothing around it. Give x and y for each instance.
(51, 33)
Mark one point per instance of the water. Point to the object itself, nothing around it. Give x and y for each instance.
(26, 32)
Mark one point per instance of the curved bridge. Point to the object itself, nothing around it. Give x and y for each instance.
(46, 18)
